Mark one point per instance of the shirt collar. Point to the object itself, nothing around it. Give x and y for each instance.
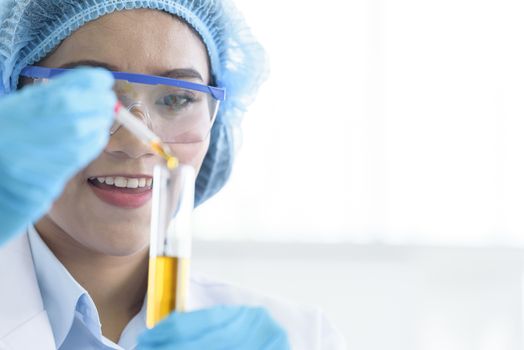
(128, 339)
(61, 294)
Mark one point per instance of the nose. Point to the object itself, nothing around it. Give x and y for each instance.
(123, 143)
(140, 111)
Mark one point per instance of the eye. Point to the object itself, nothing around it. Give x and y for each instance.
(176, 102)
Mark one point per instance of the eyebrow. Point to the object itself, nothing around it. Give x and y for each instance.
(178, 73)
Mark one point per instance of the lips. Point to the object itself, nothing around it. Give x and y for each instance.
(122, 197)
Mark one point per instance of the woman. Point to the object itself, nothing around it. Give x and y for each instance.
(77, 278)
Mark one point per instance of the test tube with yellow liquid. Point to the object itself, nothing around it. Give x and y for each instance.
(170, 246)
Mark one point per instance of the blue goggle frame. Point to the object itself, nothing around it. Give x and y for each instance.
(219, 94)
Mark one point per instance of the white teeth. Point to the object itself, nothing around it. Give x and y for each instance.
(123, 182)
(120, 181)
(132, 183)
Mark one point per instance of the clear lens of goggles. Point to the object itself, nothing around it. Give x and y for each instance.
(176, 115)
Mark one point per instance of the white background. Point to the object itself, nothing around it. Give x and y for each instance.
(381, 172)
(386, 297)
(391, 121)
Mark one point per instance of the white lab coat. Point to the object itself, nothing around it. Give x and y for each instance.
(24, 323)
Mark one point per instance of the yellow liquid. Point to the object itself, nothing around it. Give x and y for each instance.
(167, 287)
(171, 161)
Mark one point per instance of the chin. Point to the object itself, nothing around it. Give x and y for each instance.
(121, 250)
(116, 240)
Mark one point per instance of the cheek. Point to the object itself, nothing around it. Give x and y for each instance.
(98, 226)
(191, 154)
(69, 201)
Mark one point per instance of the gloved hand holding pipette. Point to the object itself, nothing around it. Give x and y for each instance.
(49, 132)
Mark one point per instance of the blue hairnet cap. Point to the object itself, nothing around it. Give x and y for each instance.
(31, 29)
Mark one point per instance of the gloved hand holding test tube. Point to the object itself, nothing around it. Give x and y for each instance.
(170, 244)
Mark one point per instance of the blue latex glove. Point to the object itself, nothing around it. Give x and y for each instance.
(222, 327)
(48, 132)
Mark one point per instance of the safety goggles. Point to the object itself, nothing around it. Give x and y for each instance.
(178, 111)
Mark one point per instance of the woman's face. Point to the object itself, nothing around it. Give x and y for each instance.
(138, 41)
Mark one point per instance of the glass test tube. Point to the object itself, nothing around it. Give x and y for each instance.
(170, 246)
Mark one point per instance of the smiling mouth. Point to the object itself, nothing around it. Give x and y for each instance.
(121, 183)
(122, 192)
